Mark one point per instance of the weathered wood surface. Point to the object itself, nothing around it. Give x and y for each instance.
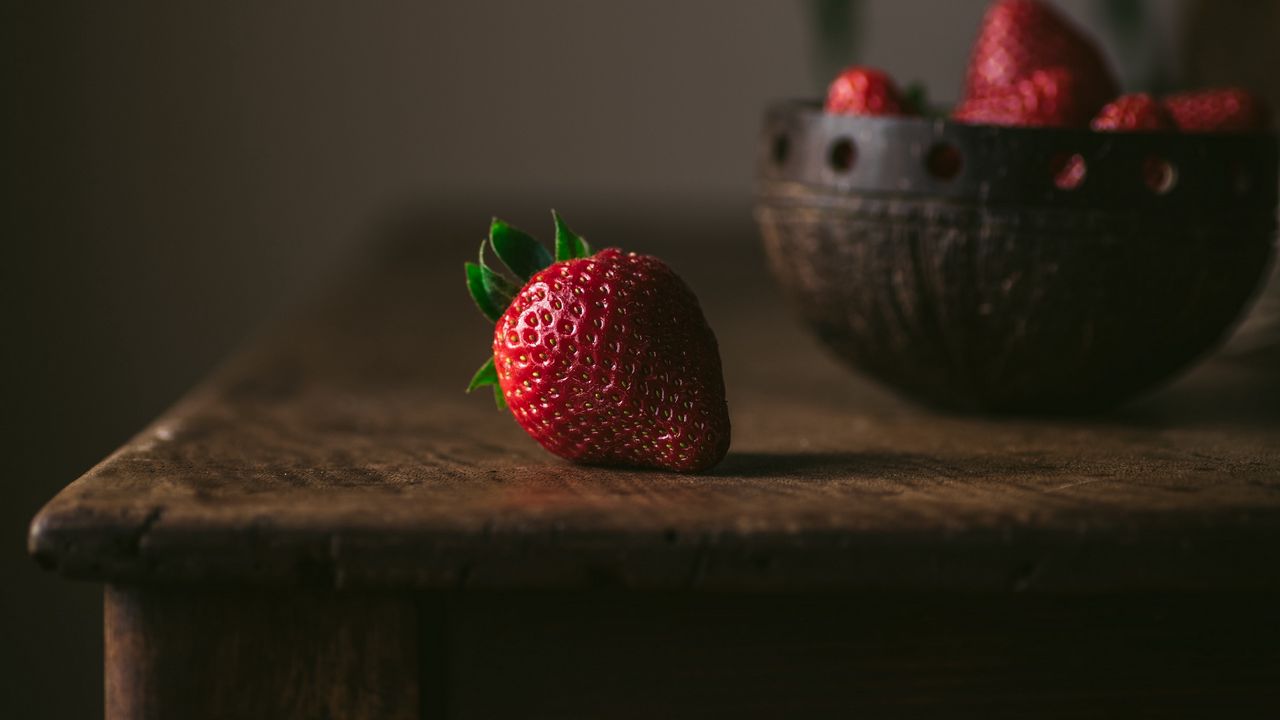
(256, 654)
(340, 451)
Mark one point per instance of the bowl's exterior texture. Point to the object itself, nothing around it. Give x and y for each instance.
(991, 289)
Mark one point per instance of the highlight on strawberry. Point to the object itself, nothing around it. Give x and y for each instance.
(861, 90)
(1137, 111)
(604, 358)
(1048, 97)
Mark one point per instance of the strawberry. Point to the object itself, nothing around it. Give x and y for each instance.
(602, 358)
(1218, 110)
(865, 91)
(1138, 111)
(1019, 37)
(1048, 97)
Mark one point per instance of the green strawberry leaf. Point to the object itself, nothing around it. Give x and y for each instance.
(476, 286)
(568, 245)
(486, 375)
(916, 97)
(517, 249)
(500, 290)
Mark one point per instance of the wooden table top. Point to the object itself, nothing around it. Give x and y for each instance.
(340, 450)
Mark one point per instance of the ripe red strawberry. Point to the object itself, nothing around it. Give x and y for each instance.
(865, 91)
(604, 359)
(1048, 97)
(1019, 37)
(1218, 110)
(1138, 111)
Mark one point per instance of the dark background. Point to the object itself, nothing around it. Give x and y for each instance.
(176, 175)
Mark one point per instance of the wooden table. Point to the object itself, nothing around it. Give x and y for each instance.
(330, 528)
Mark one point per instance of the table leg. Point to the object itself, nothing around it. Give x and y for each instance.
(248, 653)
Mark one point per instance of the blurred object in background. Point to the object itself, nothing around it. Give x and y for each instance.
(837, 26)
(929, 42)
(1235, 43)
(1143, 37)
(1155, 46)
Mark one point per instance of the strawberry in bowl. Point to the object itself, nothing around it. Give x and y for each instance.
(1046, 246)
(861, 90)
(1027, 54)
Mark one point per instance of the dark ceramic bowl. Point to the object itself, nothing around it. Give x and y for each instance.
(1013, 269)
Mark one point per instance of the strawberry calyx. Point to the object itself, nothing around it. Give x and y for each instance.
(522, 256)
(916, 101)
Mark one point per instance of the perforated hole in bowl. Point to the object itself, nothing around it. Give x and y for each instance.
(943, 161)
(1159, 175)
(1068, 170)
(843, 155)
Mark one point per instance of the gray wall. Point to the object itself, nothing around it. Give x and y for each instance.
(177, 171)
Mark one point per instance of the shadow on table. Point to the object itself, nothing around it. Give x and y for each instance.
(828, 465)
(1223, 393)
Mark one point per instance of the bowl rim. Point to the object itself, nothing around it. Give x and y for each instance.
(802, 145)
(814, 107)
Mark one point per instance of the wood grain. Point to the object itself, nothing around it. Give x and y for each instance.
(339, 451)
(219, 653)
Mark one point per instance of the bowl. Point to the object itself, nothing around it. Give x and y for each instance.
(998, 269)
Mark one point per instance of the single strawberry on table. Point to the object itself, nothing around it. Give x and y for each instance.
(602, 358)
(861, 90)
